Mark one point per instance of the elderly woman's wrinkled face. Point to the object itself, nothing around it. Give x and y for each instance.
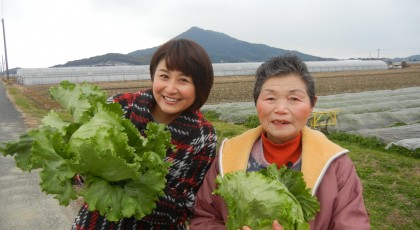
(283, 107)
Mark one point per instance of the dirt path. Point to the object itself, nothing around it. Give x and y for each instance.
(23, 204)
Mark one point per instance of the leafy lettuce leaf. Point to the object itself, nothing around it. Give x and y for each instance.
(256, 199)
(296, 185)
(124, 172)
(79, 100)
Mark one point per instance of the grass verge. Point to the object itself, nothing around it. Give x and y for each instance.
(32, 113)
(390, 181)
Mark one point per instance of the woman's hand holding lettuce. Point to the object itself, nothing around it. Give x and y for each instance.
(256, 199)
(124, 172)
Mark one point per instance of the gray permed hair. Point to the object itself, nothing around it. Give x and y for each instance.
(281, 66)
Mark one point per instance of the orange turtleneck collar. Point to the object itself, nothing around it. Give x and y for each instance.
(282, 154)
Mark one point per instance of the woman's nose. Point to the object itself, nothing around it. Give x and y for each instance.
(171, 87)
(281, 106)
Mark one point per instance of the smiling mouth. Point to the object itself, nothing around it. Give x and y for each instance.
(281, 122)
(170, 99)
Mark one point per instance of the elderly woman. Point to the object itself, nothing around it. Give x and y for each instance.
(284, 95)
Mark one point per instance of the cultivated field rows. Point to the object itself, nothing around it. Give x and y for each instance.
(393, 116)
(367, 100)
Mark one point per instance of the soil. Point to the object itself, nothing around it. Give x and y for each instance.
(240, 88)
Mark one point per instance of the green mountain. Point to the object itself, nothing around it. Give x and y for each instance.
(220, 47)
(109, 59)
(413, 58)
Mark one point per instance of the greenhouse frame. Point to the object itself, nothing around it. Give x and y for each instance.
(38, 76)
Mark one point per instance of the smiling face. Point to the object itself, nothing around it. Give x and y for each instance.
(283, 107)
(173, 91)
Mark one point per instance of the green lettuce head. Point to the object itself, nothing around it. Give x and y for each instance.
(256, 199)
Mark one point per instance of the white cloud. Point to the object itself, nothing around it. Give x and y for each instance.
(44, 33)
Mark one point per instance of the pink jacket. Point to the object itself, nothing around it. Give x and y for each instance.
(327, 170)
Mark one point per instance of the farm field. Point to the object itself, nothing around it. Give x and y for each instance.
(392, 116)
(239, 88)
(371, 103)
(236, 93)
(388, 178)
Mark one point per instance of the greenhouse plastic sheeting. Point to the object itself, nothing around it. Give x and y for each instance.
(388, 115)
(37, 76)
(411, 144)
(345, 65)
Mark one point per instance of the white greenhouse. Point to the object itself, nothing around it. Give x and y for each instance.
(345, 65)
(38, 76)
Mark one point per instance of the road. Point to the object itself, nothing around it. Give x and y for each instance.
(23, 204)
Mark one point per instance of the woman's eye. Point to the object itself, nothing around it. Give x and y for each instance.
(185, 80)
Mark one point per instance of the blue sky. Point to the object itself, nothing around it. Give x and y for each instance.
(43, 33)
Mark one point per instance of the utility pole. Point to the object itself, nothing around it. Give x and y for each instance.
(378, 53)
(5, 50)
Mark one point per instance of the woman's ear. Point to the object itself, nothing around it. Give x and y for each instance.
(315, 100)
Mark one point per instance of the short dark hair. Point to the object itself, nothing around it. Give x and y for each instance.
(281, 66)
(191, 59)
